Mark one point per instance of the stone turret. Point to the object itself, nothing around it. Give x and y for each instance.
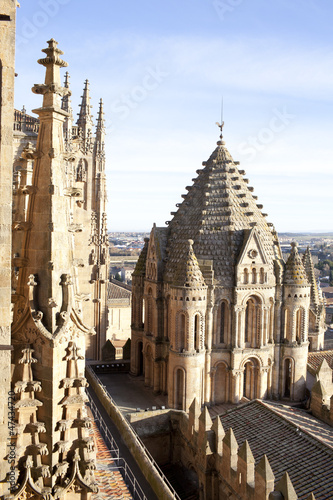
(317, 325)
(187, 316)
(296, 305)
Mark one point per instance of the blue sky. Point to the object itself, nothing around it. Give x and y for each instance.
(162, 68)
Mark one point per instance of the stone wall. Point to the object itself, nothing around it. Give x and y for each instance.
(7, 74)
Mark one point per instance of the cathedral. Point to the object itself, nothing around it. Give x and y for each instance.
(217, 314)
(217, 317)
(54, 266)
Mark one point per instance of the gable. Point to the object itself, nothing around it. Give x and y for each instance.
(252, 251)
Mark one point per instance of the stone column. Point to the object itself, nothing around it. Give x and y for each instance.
(235, 389)
(209, 332)
(235, 339)
(157, 376)
(263, 390)
(241, 326)
(260, 317)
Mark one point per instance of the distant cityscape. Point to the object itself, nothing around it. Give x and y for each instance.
(125, 247)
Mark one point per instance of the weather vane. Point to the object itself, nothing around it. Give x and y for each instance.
(221, 125)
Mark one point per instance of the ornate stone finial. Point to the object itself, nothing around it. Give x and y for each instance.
(53, 54)
(51, 89)
(66, 84)
(66, 101)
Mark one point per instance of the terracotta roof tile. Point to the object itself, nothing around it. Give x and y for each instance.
(288, 448)
(110, 482)
(316, 358)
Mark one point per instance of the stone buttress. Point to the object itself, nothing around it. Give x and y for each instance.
(54, 451)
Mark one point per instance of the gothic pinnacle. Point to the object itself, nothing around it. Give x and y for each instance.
(66, 101)
(85, 105)
(52, 61)
(100, 119)
(85, 118)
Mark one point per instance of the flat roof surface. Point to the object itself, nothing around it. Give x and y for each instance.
(130, 393)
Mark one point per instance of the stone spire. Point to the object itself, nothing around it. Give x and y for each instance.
(48, 212)
(100, 128)
(217, 209)
(66, 105)
(295, 273)
(309, 268)
(84, 121)
(100, 138)
(188, 273)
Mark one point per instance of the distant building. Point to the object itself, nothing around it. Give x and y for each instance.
(119, 312)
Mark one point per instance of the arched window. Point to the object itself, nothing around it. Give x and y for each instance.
(252, 322)
(246, 276)
(287, 378)
(197, 332)
(254, 276)
(251, 378)
(181, 332)
(149, 311)
(224, 316)
(287, 325)
(262, 275)
(299, 324)
(81, 174)
(179, 396)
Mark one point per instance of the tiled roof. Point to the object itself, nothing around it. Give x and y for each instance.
(309, 268)
(288, 448)
(217, 209)
(188, 273)
(315, 359)
(116, 290)
(140, 268)
(295, 273)
(304, 420)
(110, 482)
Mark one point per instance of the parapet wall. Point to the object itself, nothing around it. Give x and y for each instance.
(131, 439)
